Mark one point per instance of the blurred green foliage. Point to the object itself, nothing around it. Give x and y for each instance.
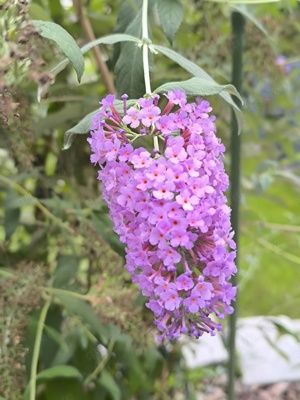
(57, 243)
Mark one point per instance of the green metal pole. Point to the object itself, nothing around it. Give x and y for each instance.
(238, 24)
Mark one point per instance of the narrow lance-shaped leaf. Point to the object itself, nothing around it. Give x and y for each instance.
(170, 15)
(11, 215)
(127, 12)
(85, 311)
(59, 371)
(66, 43)
(129, 68)
(110, 39)
(247, 14)
(200, 73)
(107, 381)
(83, 126)
(198, 86)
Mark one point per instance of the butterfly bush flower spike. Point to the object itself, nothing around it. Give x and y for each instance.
(168, 207)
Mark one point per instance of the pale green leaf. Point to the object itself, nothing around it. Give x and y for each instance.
(243, 10)
(198, 86)
(200, 73)
(110, 39)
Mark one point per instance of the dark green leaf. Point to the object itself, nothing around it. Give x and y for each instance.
(200, 73)
(104, 226)
(64, 389)
(56, 10)
(108, 382)
(129, 68)
(65, 352)
(59, 371)
(66, 269)
(127, 13)
(66, 43)
(11, 215)
(85, 311)
(83, 126)
(170, 15)
(198, 86)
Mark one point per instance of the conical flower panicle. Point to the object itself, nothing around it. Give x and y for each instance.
(168, 207)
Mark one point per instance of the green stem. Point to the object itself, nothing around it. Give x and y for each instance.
(36, 349)
(237, 22)
(18, 188)
(101, 365)
(146, 42)
(145, 46)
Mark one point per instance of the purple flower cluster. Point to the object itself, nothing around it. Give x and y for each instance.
(168, 207)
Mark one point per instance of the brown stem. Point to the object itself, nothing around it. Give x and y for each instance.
(90, 36)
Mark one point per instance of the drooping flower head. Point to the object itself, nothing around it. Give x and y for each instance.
(168, 207)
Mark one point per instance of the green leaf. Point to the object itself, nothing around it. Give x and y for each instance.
(109, 39)
(83, 126)
(198, 86)
(85, 311)
(64, 389)
(59, 371)
(11, 215)
(170, 15)
(129, 68)
(104, 226)
(127, 12)
(66, 43)
(20, 201)
(243, 10)
(200, 73)
(67, 266)
(274, 345)
(108, 382)
(283, 330)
